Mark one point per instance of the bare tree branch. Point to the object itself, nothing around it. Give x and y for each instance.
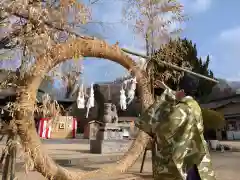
(40, 15)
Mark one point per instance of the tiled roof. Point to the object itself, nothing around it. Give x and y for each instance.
(221, 103)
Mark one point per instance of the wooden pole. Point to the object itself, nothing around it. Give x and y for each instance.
(13, 158)
(143, 160)
(109, 93)
(10, 161)
(6, 168)
(7, 164)
(159, 62)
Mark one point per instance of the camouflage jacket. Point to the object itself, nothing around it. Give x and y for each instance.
(177, 127)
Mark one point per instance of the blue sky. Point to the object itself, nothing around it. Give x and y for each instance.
(213, 25)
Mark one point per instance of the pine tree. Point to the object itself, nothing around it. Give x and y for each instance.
(204, 87)
(184, 54)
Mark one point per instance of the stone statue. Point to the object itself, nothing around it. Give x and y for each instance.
(106, 135)
(106, 112)
(114, 113)
(110, 113)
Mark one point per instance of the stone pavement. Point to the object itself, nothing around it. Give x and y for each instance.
(77, 156)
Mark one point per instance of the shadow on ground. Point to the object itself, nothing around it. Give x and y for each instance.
(74, 150)
(81, 167)
(76, 162)
(146, 176)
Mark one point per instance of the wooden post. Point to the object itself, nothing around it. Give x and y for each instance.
(7, 164)
(10, 161)
(143, 160)
(6, 168)
(13, 153)
(109, 93)
(150, 147)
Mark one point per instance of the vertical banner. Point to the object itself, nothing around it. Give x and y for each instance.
(44, 129)
(66, 128)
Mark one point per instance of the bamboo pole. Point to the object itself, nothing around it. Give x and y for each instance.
(171, 65)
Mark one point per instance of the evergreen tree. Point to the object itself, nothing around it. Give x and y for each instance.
(184, 53)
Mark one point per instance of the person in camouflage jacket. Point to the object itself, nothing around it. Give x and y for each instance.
(176, 126)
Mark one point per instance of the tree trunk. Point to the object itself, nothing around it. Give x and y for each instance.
(27, 95)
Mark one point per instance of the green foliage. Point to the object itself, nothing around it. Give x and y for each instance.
(212, 119)
(200, 88)
(204, 87)
(176, 53)
(183, 53)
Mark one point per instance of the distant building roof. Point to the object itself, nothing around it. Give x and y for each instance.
(222, 102)
(222, 90)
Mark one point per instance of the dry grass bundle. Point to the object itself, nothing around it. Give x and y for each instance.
(173, 53)
(38, 36)
(25, 105)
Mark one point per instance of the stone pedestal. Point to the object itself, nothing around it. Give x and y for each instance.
(109, 146)
(107, 138)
